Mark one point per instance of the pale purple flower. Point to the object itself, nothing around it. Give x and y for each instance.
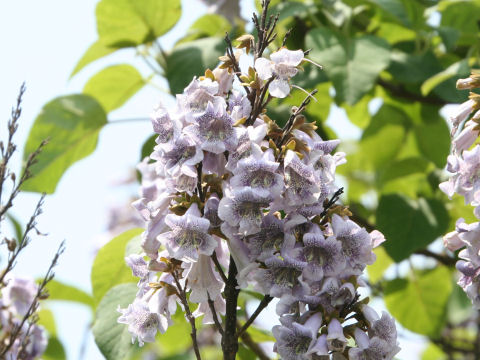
(461, 113)
(213, 129)
(196, 97)
(184, 152)
(214, 163)
(224, 79)
(243, 208)
(166, 127)
(371, 348)
(240, 102)
(303, 186)
(188, 236)
(336, 340)
(203, 281)
(19, 294)
(249, 140)
(297, 341)
(259, 174)
(142, 324)
(467, 136)
(138, 265)
(281, 276)
(381, 327)
(269, 240)
(283, 65)
(356, 243)
(324, 256)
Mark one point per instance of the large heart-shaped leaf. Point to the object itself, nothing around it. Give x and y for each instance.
(63, 292)
(109, 268)
(71, 123)
(112, 338)
(96, 51)
(353, 64)
(420, 302)
(409, 225)
(124, 23)
(114, 85)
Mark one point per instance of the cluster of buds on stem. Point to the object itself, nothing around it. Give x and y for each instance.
(464, 164)
(227, 188)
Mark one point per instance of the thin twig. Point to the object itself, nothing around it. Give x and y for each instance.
(443, 259)
(263, 304)
(219, 267)
(183, 298)
(233, 59)
(332, 201)
(211, 305)
(286, 129)
(34, 305)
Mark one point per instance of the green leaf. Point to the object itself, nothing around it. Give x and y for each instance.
(433, 139)
(210, 25)
(174, 340)
(124, 23)
(64, 292)
(112, 338)
(396, 9)
(147, 147)
(420, 302)
(460, 67)
(459, 15)
(433, 352)
(290, 9)
(114, 85)
(409, 225)
(109, 267)
(96, 51)
(72, 123)
(47, 320)
(260, 335)
(192, 59)
(400, 168)
(54, 350)
(413, 68)
(352, 64)
(383, 262)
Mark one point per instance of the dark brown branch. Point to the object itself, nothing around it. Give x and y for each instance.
(332, 202)
(263, 304)
(183, 298)
(230, 340)
(400, 92)
(443, 259)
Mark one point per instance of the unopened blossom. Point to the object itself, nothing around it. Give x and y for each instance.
(188, 236)
(142, 324)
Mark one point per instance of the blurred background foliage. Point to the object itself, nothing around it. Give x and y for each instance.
(391, 65)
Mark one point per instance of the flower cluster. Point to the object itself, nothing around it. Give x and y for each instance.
(464, 164)
(227, 188)
(16, 299)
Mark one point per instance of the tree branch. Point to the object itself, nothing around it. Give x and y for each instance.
(263, 304)
(400, 92)
(230, 340)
